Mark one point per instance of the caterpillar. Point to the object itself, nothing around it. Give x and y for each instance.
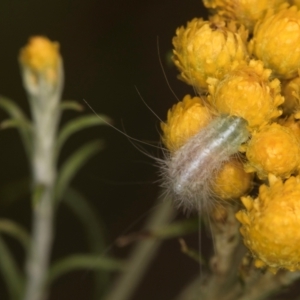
(188, 173)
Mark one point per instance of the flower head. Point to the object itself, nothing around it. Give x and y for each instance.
(247, 92)
(247, 12)
(184, 120)
(274, 149)
(232, 181)
(292, 122)
(270, 224)
(276, 41)
(295, 2)
(41, 58)
(291, 93)
(207, 49)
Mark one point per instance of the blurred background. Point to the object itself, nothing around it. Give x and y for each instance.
(110, 49)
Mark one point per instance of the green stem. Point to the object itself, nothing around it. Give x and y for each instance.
(142, 255)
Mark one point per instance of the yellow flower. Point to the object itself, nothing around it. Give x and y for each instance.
(274, 149)
(276, 41)
(291, 93)
(247, 92)
(270, 224)
(247, 12)
(41, 56)
(295, 2)
(232, 181)
(293, 123)
(184, 120)
(207, 49)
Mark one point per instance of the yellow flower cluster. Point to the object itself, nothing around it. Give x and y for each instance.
(257, 79)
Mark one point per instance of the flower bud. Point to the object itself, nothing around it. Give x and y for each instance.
(41, 58)
(232, 181)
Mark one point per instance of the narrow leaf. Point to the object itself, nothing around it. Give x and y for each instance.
(94, 233)
(77, 262)
(10, 272)
(72, 105)
(87, 216)
(73, 164)
(16, 231)
(77, 125)
(16, 113)
(11, 108)
(14, 123)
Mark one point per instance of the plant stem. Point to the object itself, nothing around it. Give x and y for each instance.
(43, 84)
(141, 255)
(229, 250)
(38, 260)
(44, 176)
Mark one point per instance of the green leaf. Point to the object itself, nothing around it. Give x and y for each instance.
(11, 274)
(72, 105)
(87, 216)
(93, 232)
(24, 125)
(83, 261)
(73, 164)
(76, 125)
(16, 231)
(13, 123)
(11, 108)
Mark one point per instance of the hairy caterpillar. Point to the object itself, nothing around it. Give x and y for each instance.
(188, 173)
